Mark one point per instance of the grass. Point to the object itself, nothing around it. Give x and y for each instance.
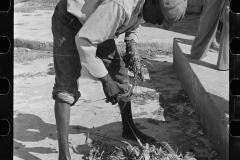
(24, 55)
(30, 75)
(141, 98)
(33, 5)
(150, 50)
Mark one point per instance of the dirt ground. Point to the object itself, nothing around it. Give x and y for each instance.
(160, 108)
(188, 25)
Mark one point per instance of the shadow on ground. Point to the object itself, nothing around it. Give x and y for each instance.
(181, 128)
(32, 128)
(198, 62)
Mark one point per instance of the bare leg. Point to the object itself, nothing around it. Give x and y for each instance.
(214, 44)
(129, 126)
(62, 115)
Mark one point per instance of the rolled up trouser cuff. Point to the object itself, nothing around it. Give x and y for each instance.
(69, 96)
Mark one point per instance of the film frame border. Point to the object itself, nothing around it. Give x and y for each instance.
(6, 7)
(6, 74)
(234, 100)
(6, 106)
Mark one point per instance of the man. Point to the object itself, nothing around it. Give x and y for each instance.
(214, 45)
(84, 33)
(207, 31)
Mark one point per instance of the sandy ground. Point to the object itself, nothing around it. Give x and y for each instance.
(160, 109)
(160, 106)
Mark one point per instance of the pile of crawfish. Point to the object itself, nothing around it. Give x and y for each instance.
(161, 151)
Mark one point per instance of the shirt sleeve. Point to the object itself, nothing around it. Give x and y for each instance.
(100, 26)
(131, 35)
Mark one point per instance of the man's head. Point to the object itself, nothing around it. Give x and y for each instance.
(152, 12)
(164, 12)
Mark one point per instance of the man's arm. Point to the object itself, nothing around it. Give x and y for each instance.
(131, 35)
(100, 26)
(131, 57)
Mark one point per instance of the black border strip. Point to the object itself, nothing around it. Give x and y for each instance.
(6, 100)
(234, 73)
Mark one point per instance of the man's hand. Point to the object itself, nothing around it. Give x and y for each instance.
(110, 89)
(130, 52)
(132, 60)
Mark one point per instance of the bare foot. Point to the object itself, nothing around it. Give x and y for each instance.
(215, 45)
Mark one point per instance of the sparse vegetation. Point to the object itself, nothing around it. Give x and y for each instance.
(24, 55)
(149, 51)
(33, 5)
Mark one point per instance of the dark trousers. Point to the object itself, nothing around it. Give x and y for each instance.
(67, 63)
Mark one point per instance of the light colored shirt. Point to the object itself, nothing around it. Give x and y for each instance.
(103, 20)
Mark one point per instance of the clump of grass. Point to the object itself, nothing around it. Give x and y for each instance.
(23, 55)
(33, 5)
(30, 75)
(149, 50)
(180, 97)
(141, 98)
(146, 50)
